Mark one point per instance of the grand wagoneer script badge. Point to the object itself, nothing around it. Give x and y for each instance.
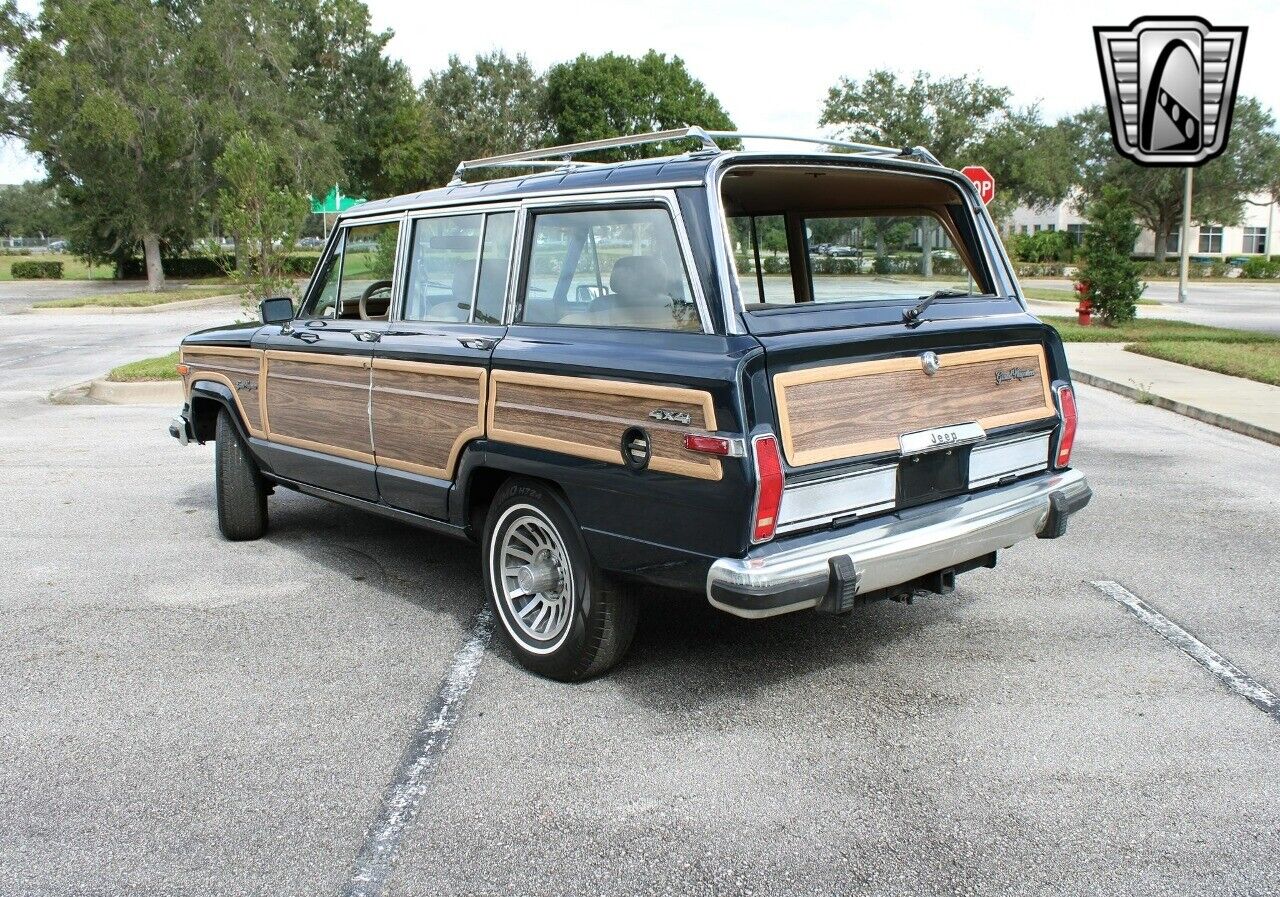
(668, 416)
(1016, 374)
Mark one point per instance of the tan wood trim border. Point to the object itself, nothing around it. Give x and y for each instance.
(347, 361)
(195, 376)
(220, 350)
(466, 372)
(708, 470)
(786, 379)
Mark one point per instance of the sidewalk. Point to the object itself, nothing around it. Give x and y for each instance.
(1229, 402)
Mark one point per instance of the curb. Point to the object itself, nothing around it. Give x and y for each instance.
(142, 392)
(146, 309)
(1208, 417)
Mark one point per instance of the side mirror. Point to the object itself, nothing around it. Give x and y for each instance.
(276, 310)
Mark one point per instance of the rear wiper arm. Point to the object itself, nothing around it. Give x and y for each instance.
(912, 314)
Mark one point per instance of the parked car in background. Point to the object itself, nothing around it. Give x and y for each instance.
(58, 246)
(311, 243)
(575, 370)
(843, 252)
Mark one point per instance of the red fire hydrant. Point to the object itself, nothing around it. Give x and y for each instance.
(1084, 311)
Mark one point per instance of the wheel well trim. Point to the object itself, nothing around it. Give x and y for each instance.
(207, 389)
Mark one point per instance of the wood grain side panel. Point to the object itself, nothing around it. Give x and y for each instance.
(587, 417)
(424, 413)
(240, 370)
(321, 405)
(844, 411)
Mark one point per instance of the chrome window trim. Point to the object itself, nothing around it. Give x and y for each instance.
(664, 197)
(500, 198)
(993, 256)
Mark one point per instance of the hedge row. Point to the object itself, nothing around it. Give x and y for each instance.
(197, 266)
(781, 264)
(1261, 268)
(29, 270)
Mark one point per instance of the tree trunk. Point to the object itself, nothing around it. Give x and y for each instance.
(238, 239)
(926, 247)
(1161, 232)
(155, 268)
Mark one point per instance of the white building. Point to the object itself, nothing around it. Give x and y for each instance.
(1249, 237)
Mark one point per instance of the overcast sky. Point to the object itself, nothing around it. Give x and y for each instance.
(770, 63)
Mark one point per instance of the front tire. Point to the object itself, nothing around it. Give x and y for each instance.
(563, 619)
(238, 484)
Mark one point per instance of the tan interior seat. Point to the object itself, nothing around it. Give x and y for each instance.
(640, 297)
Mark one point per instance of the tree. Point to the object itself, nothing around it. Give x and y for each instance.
(1109, 272)
(590, 98)
(262, 201)
(1248, 166)
(491, 107)
(32, 209)
(128, 103)
(339, 72)
(961, 121)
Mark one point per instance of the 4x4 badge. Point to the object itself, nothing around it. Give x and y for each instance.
(675, 417)
(1171, 87)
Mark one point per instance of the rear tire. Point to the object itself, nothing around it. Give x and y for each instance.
(562, 617)
(238, 484)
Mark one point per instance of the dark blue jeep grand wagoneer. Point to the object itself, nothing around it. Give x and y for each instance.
(660, 372)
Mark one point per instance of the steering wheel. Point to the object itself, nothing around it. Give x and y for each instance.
(369, 291)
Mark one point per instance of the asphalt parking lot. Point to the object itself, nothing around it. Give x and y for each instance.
(183, 715)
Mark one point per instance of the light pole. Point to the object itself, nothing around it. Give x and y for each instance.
(1184, 242)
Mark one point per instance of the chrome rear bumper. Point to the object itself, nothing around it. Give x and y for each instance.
(798, 573)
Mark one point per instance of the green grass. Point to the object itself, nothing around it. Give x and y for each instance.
(1253, 361)
(139, 300)
(1052, 294)
(162, 368)
(1146, 330)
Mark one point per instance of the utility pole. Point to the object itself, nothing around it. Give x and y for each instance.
(1184, 242)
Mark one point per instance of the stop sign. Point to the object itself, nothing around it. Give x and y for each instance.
(983, 180)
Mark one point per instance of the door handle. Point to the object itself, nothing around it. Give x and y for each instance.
(367, 336)
(307, 337)
(478, 342)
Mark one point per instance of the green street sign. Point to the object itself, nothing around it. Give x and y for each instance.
(333, 203)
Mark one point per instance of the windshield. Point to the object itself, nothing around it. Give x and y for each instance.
(803, 235)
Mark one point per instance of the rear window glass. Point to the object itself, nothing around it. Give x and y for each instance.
(848, 258)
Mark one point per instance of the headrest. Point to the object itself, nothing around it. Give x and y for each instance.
(639, 275)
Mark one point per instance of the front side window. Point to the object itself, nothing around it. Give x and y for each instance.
(323, 301)
(355, 280)
(607, 268)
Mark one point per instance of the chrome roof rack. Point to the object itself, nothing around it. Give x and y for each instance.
(562, 157)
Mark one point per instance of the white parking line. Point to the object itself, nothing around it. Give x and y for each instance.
(1234, 678)
(377, 856)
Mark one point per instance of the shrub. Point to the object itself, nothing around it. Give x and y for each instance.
(1038, 269)
(775, 264)
(185, 267)
(1110, 273)
(29, 270)
(1261, 268)
(1044, 246)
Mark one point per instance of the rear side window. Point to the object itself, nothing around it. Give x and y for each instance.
(607, 268)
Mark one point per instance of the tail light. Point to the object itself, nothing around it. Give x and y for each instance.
(1067, 432)
(764, 519)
